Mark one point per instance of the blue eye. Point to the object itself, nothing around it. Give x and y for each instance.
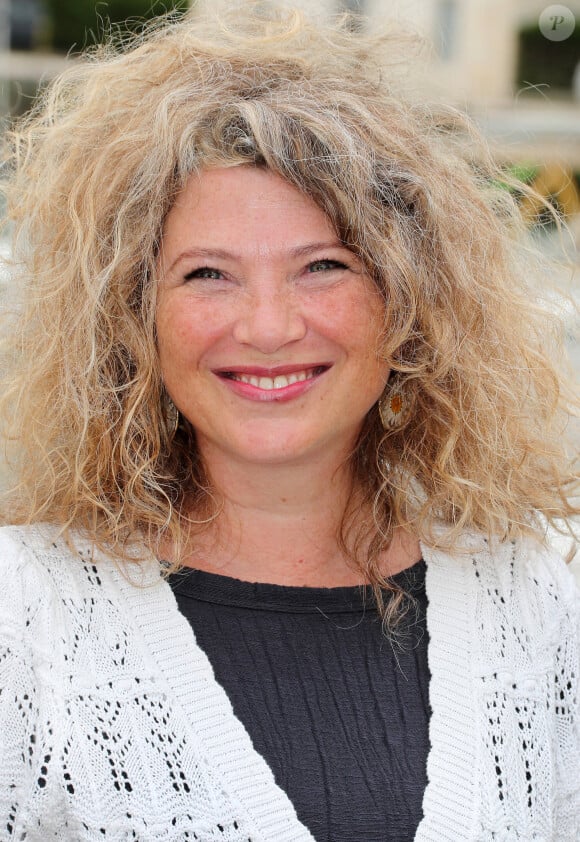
(325, 265)
(204, 272)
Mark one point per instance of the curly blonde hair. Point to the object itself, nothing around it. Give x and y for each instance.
(411, 188)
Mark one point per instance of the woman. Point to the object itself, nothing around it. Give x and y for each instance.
(277, 335)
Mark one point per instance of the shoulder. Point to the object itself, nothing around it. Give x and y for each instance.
(524, 578)
(40, 548)
(65, 605)
(42, 571)
(530, 569)
(528, 558)
(29, 559)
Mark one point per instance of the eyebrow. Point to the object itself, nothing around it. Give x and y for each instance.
(224, 254)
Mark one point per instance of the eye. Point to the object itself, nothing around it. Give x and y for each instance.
(325, 265)
(204, 272)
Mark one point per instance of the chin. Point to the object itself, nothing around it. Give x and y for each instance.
(261, 447)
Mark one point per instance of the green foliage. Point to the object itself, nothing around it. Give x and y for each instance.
(547, 64)
(77, 24)
(523, 172)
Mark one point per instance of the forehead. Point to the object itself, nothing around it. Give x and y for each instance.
(252, 179)
(243, 202)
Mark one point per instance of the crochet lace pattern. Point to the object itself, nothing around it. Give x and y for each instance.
(112, 726)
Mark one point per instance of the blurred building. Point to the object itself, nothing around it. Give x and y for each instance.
(491, 57)
(477, 43)
(480, 45)
(21, 23)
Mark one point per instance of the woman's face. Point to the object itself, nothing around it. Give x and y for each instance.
(267, 325)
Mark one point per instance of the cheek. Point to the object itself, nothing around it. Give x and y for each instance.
(363, 325)
(173, 341)
(354, 321)
(184, 332)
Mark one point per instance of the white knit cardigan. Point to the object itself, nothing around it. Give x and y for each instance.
(113, 727)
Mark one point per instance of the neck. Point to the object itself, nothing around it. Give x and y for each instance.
(281, 524)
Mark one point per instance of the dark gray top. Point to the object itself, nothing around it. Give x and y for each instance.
(338, 711)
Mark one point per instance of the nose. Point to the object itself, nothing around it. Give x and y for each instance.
(271, 318)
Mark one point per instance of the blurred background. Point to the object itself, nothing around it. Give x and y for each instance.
(514, 65)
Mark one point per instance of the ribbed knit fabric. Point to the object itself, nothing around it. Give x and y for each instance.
(112, 726)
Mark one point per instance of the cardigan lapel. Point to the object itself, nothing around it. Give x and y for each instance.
(223, 740)
(449, 813)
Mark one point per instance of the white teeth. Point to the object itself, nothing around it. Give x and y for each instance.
(270, 383)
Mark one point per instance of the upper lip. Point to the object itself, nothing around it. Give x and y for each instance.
(270, 371)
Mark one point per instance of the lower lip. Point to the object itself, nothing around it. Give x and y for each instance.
(287, 393)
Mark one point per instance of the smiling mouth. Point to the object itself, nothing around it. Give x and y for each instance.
(280, 381)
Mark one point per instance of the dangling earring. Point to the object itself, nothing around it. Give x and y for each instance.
(172, 418)
(394, 406)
